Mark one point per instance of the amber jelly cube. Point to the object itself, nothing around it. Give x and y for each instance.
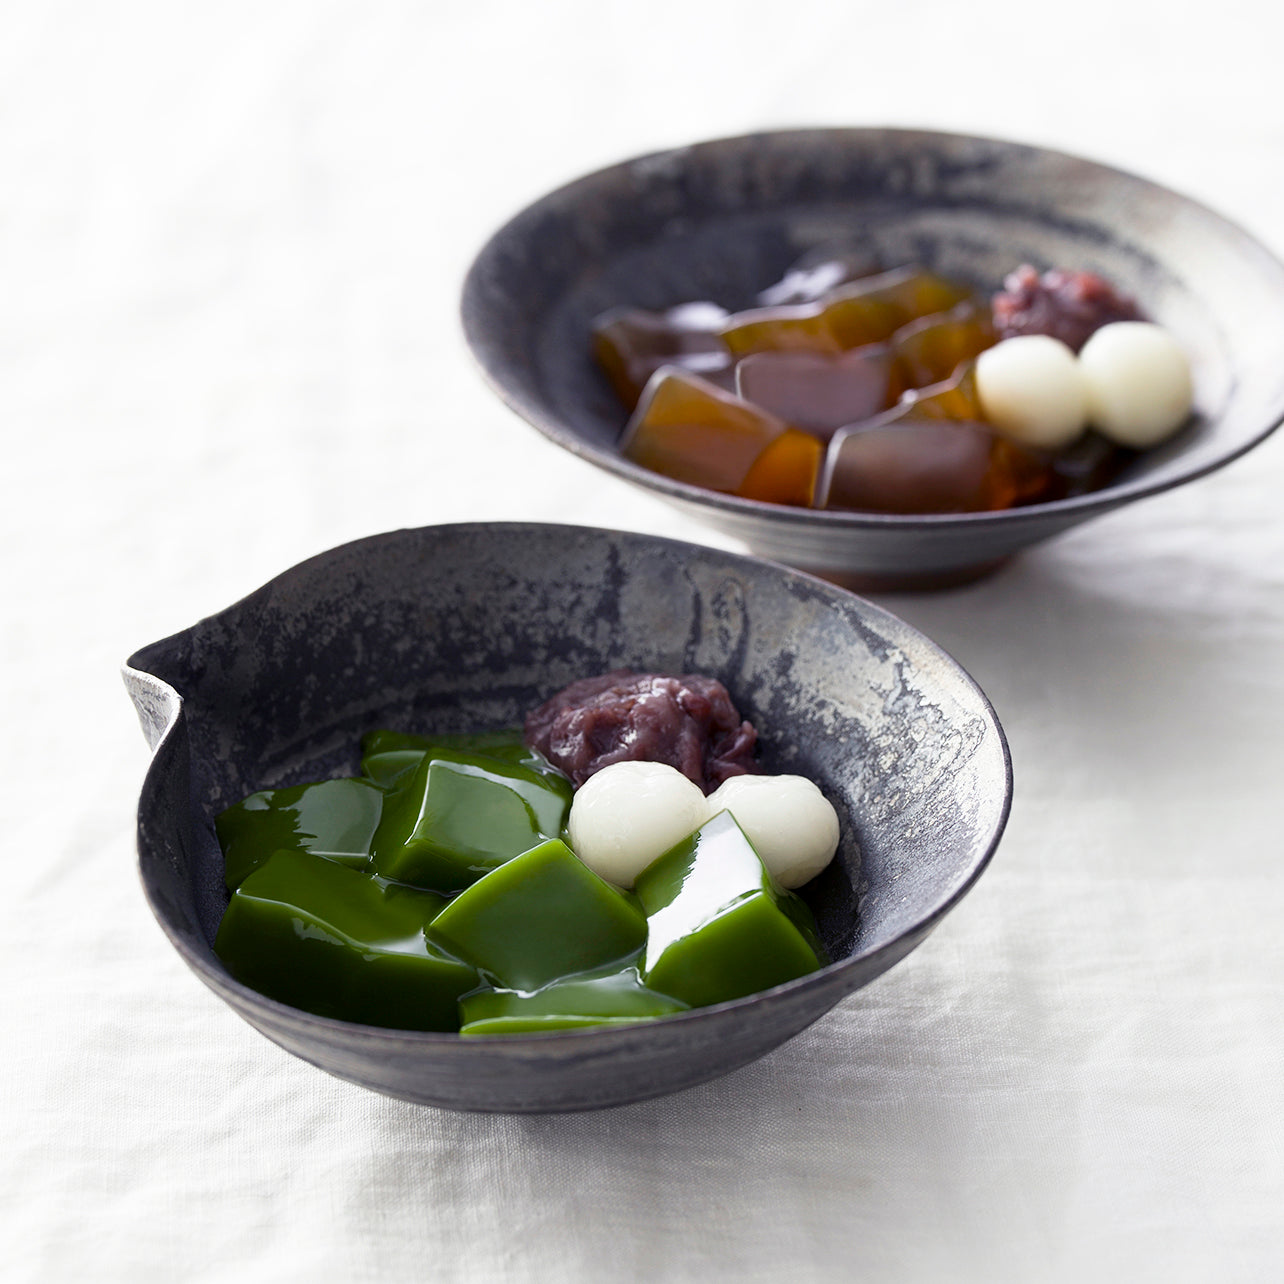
(952, 398)
(816, 392)
(691, 431)
(796, 328)
(901, 464)
(787, 471)
(631, 344)
(872, 310)
(931, 349)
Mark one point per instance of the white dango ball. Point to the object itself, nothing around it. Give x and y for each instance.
(1139, 385)
(627, 814)
(791, 824)
(1032, 390)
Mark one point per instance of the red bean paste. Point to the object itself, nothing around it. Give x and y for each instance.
(1070, 306)
(687, 722)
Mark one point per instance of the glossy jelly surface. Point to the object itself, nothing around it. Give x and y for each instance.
(687, 428)
(457, 817)
(764, 403)
(333, 818)
(631, 345)
(718, 926)
(334, 940)
(436, 892)
(614, 996)
(541, 916)
(817, 392)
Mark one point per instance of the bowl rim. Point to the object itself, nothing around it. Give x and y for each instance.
(474, 310)
(244, 998)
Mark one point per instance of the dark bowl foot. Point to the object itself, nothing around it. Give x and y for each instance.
(907, 581)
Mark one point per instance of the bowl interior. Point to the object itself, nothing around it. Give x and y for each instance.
(724, 219)
(462, 628)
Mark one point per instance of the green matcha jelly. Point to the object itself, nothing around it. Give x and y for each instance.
(434, 893)
(541, 916)
(387, 757)
(334, 818)
(458, 816)
(341, 943)
(615, 997)
(718, 925)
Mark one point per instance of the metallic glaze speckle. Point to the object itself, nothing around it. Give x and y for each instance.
(458, 627)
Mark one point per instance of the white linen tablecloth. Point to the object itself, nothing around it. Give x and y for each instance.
(232, 238)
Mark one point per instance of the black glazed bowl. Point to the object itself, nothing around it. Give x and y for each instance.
(722, 220)
(466, 627)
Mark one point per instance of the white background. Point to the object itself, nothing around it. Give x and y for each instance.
(232, 237)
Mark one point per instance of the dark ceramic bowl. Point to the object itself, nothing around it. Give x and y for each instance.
(466, 627)
(722, 220)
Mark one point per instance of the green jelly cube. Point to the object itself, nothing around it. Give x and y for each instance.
(457, 818)
(718, 926)
(615, 997)
(390, 767)
(341, 943)
(387, 757)
(334, 818)
(541, 917)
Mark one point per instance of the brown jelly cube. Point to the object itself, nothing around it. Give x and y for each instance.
(908, 466)
(870, 311)
(932, 348)
(787, 470)
(867, 311)
(692, 431)
(900, 463)
(631, 345)
(818, 392)
(954, 398)
(800, 328)
(1019, 475)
